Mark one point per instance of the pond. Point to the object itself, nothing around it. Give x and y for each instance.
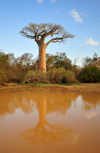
(49, 121)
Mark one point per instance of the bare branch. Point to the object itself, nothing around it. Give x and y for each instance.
(40, 31)
(26, 34)
(59, 39)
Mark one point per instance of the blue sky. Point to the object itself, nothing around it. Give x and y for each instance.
(79, 17)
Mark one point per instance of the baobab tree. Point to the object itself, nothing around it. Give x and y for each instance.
(39, 32)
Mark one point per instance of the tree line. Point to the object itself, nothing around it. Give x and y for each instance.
(59, 68)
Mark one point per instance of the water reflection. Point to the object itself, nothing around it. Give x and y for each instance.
(32, 118)
(90, 101)
(57, 102)
(26, 100)
(44, 132)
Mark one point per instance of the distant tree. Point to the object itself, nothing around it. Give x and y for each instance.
(26, 59)
(3, 60)
(50, 61)
(94, 61)
(39, 32)
(68, 64)
(11, 59)
(86, 61)
(61, 61)
(90, 74)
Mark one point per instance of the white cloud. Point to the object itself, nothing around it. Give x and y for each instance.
(39, 1)
(90, 115)
(53, 0)
(76, 16)
(90, 41)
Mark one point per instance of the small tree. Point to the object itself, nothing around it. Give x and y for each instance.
(90, 74)
(96, 59)
(39, 32)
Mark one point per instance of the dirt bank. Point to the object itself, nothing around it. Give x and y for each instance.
(83, 87)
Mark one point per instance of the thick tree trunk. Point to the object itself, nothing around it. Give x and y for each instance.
(42, 57)
(42, 112)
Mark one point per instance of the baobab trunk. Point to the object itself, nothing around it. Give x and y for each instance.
(42, 57)
(42, 113)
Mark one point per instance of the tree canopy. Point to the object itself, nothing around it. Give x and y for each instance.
(40, 31)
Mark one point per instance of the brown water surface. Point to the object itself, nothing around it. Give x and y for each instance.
(49, 121)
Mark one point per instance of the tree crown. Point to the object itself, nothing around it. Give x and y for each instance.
(40, 31)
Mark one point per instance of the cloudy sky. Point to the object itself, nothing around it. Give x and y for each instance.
(79, 17)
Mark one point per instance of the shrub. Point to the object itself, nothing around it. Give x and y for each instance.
(2, 76)
(52, 76)
(35, 77)
(61, 76)
(69, 77)
(13, 76)
(90, 74)
(42, 77)
(55, 75)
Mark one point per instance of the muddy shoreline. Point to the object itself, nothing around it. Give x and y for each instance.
(83, 87)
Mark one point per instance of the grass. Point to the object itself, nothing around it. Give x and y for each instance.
(46, 84)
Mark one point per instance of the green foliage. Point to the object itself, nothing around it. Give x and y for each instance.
(86, 61)
(68, 77)
(2, 76)
(90, 74)
(59, 60)
(47, 84)
(3, 60)
(50, 61)
(1, 73)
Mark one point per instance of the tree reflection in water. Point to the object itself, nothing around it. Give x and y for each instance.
(90, 101)
(44, 132)
(46, 101)
(57, 100)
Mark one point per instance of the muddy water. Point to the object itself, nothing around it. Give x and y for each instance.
(49, 121)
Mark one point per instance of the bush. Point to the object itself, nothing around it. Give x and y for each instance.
(52, 76)
(90, 74)
(61, 76)
(35, 77)
(42, 77)
(2, 77)
(69, 77)
(14, 76)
